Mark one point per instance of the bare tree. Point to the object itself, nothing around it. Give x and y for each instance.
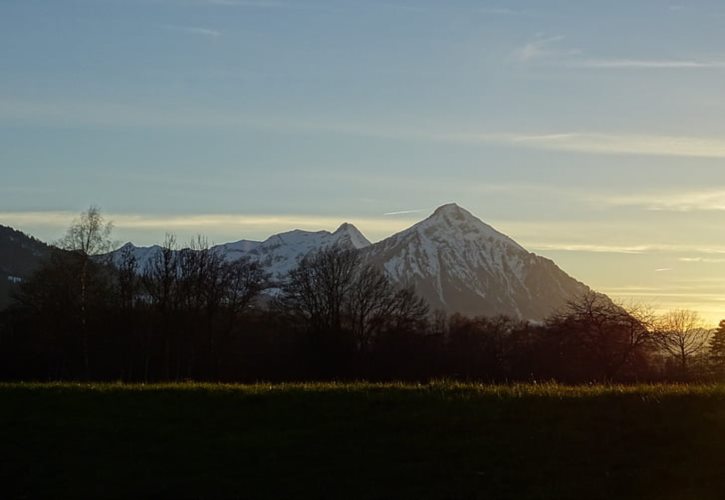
(610, 333)
(245, 280)
(317, 289)
(369, 304)
(160, 281)
(160, 276)
(681, 334)
(407, 310)
(334, 290)
(128, 278)
(88, 236)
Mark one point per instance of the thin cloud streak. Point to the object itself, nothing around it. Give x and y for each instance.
(613, 144)
(227, 223)
(260, 4)
(194, 30)
(548, 50)
(702, 260)
(593, 248)
(543, 48)
(625, 249)
(402, 212)
(688, 201)
(503, 11)
(110, 114)
(645, 64)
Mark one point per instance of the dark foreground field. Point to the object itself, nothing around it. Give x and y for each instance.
(361, 441)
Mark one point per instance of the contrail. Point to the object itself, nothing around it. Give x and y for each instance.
(401, 212)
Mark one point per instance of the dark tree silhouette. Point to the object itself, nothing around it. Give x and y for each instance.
(89, 236)
(605, 337)
(682, 335)
(716, 351)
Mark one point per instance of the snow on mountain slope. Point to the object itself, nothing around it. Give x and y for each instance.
(281, 253)
(144, 255)
(238, 249)
(453, 259)
(278, 254)
(460, 264)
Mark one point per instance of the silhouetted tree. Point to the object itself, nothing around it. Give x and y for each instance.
(317, 290)
(88, 237)
(716, 351)
(128, 279)
(245, 280)
(160, 283)
(681, 334)
(479, 347)
(604, 337)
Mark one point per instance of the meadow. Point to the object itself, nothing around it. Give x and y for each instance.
(359, 440)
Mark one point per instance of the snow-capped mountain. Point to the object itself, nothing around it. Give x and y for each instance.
(460, 264)
(278, 254)
(453, 259)
(281, 253)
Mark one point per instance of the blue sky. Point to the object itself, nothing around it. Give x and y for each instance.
(592, 132)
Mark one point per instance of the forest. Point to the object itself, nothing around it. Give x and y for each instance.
(189, 314)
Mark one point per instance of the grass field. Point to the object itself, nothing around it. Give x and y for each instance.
(361, 441)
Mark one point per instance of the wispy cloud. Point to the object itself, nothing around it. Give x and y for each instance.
(687, 201)
(645, 64)
(194, 30)
(109, 114)
(230, 226)
(260, 4)
(544, 48)
(551, 51)
(592, 248)
(402, 212)
(599, 143)
(637, 249)
(504, 11)
(702, 260)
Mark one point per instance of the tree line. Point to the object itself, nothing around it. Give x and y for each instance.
(189, 314)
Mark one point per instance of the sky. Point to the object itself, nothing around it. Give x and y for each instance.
(593, 133)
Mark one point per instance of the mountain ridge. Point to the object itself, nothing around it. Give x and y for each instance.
(460, 264)
(453, 259)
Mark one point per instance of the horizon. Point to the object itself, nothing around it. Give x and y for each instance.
(659, 305)
(245, 118)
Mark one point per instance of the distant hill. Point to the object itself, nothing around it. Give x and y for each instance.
(20, 256)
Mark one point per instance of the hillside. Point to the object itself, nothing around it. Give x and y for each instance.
(20, 255)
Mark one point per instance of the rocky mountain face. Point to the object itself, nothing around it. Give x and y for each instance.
(460, 264)
(455, 261)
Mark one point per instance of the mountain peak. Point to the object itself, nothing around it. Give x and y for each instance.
(453, 221)
(449, 208)
(452, 212)
(460, 264)
(353, 234)
(345, 226)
